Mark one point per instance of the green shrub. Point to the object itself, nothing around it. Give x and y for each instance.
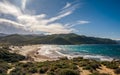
(62, 65)
(63, 58)
(50, 73)
(53, 68)
(111, 65)
(33, 70)
(73, 67)
(5, 55)
(43, 70)
(78, 59)
(29, 64)
(67, 72)
(4, 67)
(92, 66)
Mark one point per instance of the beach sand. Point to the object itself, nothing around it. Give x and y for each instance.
(31, 53)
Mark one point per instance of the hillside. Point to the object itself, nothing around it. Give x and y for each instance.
(61, 39)
(2, 34)
(118, 41)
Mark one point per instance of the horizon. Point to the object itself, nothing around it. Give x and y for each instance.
(82, 17)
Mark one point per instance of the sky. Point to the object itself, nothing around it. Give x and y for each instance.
(98, 18)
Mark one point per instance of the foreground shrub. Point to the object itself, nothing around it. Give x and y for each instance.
(3, 68)
(33, 70)
(92, 66)
(43, 70)
(18, 71)
(67, 72)
(51, 73)
(111, 65)
(5, 55)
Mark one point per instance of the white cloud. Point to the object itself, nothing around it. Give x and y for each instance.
(83, 22)
(23, 4)
(73, 24)
(55, 28)
(67, 5)
(70, 8)
(8, 8)
(34, 23)
(59, 16)
(11, 23)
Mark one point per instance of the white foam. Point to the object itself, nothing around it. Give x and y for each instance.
(53, 51)
(98, 57)
(50, 51)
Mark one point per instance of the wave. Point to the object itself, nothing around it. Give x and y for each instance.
(54, 51)
(50, 51)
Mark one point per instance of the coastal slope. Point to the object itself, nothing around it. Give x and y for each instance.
(60, 39)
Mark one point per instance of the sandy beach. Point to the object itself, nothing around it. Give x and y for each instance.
(31, 52)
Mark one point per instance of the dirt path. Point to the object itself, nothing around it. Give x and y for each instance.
(106, 70)
(9, 70)
(83, 72)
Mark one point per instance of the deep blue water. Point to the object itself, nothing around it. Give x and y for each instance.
(100, 51)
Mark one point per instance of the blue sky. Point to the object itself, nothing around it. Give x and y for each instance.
(100, 18)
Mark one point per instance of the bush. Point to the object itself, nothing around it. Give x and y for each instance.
(33, 70)
(111, 65)
(50, 73)
(63, 58)
(62, 65)
(43, 70)
(92, 66)
(3, 68)
(5, 55)
(78, 59)
(73, 67)
(67, 72)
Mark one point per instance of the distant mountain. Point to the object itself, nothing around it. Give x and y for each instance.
(61, 39)
(118, 41)
(2, 34)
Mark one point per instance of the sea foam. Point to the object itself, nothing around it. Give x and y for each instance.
(55, 51)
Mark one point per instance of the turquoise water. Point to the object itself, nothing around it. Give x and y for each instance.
(100, 52)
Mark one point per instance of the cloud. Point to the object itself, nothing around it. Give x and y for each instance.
(73, 24)
(67, 5)
(8, 8)
(59, 16)
(83, 22)
(44, 25)
(70, 8)
(8, 26)
(54, 28)
(36, 23)
(23, 4)
(11, 23)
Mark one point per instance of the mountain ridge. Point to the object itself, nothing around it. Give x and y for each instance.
(61, 39)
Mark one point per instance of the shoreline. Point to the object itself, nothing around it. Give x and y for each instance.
(39, 53)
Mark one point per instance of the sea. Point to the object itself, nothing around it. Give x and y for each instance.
(100, 52)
